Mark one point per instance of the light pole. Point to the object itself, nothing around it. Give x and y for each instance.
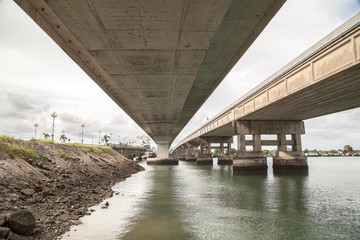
(82, 133)
(119, 138)
(36, 125)
(99, 137)
(92, 139)
(53, 115)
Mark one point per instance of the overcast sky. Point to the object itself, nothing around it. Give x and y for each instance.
(38, 78)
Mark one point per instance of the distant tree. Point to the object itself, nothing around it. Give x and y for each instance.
(233, 151)
(216, 152)
(46, 136)
(347, 148)
(306, 150)
(314, 151)
(266, 152)
(106, 139)
(63, 138)
(333, 151)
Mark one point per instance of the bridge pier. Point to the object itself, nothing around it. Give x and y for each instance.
(290, 161)
(181, 154)
(204, 157)
(190, 153)
(162, 156)
(246, 161)
(285, 160)
(225, 158)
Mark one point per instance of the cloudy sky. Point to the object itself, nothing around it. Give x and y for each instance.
(38, 78)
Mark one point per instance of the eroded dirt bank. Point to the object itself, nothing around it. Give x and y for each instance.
(57, 182)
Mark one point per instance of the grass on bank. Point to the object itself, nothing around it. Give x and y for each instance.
(20, 151)
(25, 152)
(7, 137)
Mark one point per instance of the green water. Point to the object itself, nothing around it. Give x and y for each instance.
(209, 202)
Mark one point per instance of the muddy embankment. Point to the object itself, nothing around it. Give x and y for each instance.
(57, 183)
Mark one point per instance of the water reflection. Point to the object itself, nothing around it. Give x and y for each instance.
(208, 202)
(161, 220)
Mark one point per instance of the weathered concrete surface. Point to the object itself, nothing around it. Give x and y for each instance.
(249, 164)
(158, 60)
(204, 159)
(162, 161)
(225, 159)
(189, 159)
(285, 162)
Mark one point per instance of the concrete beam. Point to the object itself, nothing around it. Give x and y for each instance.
(270, 127)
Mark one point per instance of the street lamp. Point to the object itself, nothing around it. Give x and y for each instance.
(92, 139)
(36, 125)
(99, 137)
(82, 133)
(119, 138)
(53, 115)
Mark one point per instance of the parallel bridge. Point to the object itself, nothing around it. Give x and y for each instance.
(323, 80)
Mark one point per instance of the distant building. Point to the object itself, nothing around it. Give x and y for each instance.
(141, 141)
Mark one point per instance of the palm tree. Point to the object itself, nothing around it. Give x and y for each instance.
(106, 138)
(46, 136)
(63, 138)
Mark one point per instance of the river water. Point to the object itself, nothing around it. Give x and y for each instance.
(209, 202)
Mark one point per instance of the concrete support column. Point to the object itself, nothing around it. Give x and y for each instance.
(189, 157)
(293, 161)
(182, 152)
(282, 142)
(249, 161)
(162, 155)
(225, 159)
(204, 157)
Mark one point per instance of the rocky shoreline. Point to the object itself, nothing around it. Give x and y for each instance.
(57, 183)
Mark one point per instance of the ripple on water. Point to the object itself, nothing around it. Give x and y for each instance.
(208, 202)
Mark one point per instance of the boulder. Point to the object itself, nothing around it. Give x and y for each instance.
(27, 191)
(4, 232)
(13, 236)
(22, 222)
(3, 221)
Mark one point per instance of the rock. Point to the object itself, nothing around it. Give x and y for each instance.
(13, 236)
(4, 232)
(37, 231)
(22, 222)
(75, 222)
(47, 193)
(27, 192)
(106, 204)
(3, 221)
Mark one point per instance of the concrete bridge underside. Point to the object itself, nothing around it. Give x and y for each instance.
(323, 80)
(158, 60)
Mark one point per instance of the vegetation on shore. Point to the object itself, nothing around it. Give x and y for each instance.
(26, 152)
